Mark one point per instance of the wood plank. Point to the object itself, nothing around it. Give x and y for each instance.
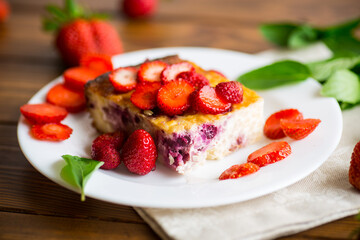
(26, 226)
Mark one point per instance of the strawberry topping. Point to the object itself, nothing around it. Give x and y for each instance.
(145, 94)
(151, 71)
(139, 152)
(231, 92)
(270, 153)
(64, 97)
(239, 170)
(298, 129)
(51, 131)
(206, 101)
(172, 71)
(75, 78)
(99, 62)
(43, 113)
(173, 97)
(123, 79)
(272, 128)
(196, 79)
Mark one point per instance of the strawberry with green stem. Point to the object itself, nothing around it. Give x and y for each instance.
(79, 33)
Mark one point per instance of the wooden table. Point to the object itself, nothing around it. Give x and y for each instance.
(33, 207)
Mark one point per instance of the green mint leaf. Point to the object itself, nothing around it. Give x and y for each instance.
(276, 74)
(343, 28)
(50, 25)
(343, 45)
(278, 33)
(78, 171)
(322, 70)
(73, 9)
(344, 86)
(303, 36)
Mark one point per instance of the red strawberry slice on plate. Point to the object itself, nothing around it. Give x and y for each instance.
(270, 153)
(43, 113)
(206, 101)
(172, 71)
(75, 78)
(51, 131)
(272, 128)
(239, 170)
(299, 129)
(99, 62)
(231, 92)
(123, 79)
(151, 71)
(196, 79)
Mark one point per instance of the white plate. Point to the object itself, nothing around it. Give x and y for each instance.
(165, 189)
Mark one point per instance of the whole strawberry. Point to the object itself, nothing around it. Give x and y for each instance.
(139, 152)
(354, 171)
(79, 34)
(139, 8)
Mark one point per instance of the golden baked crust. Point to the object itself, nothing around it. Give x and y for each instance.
(102, 86)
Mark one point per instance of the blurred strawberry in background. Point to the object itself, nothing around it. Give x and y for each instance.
(139, 8)
(79, 33)
(4, 11)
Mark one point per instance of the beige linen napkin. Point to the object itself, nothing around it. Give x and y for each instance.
(323, 196)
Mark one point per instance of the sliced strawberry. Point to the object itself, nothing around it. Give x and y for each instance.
(272, 128)
(123, 79)
(270, 153)
(62, 96)
(51, 131)
(206, 101)
(231, 92)
(43, 113)
(298, 129)
(170, 72)
(196, 79)
(75, 78)
(144, 96)
(173, 97)
(99, 62)
(239, 170)
(354, 170)
(151, 71)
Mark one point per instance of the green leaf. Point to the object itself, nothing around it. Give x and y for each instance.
(276, 74)
(303, 36)
(278, 33)
(322, 70)
(343, 28)
(343, 45)
(78, 171)
(73, 9)
(344, 86)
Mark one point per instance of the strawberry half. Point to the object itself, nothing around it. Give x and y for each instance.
(51, 131)
(196, 79)
(75, 78)
(151, 71)
(62, 96)
(239, 170)
(139, 152)
(171, 72)
(270, 153)
(173, 97)
(123, 79)
(231, 92)
(272, 128)
(354, 170)
(145, 94)
(99, 62)
(43, 113)
(206, 101)
(298, 129)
